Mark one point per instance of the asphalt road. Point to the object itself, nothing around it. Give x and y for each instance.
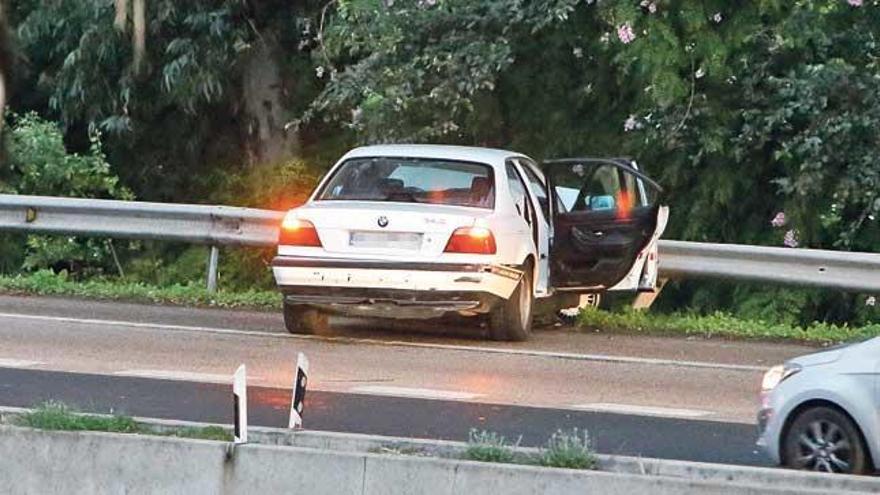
(704, 441)
(688, 399)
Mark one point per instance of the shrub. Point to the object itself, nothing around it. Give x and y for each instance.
(488, 446)
(569, 449)
(40, 164)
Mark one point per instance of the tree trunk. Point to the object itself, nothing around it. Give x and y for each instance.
(5, 61)
(264, 94)
(139, 35)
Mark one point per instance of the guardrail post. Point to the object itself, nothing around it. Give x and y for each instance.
(213, 260)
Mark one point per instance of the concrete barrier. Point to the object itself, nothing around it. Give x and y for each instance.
(48, 462)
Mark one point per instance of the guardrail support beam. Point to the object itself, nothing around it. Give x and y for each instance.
(213, 260)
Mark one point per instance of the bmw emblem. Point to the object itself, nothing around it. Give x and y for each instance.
(383, 221)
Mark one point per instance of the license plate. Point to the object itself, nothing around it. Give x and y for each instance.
(395, 240)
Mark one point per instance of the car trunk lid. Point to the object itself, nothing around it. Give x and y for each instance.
(372, 227)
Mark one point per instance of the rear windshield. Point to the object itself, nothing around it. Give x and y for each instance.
(412, 180)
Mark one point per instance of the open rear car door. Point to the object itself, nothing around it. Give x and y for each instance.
(604, 213)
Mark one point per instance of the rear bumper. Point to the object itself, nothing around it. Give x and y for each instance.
(405, 288)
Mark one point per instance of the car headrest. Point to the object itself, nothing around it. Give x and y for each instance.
(481, 189)
(386, 185)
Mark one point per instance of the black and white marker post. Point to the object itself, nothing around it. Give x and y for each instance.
(301, 379)
(239, 394)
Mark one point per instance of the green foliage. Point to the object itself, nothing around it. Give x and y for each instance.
(569, 449)
(57, 416)
(239, 269)
(40, 164)
(214, 433)
(488, 446)
(721, 324)
(46, 282)
(53, 415)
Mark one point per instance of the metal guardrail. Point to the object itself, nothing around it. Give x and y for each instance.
(226, 225)
(843, 270)
(195, 224)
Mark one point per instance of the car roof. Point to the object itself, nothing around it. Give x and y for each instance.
(442, 151)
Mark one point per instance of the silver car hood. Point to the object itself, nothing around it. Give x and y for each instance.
(822, 357)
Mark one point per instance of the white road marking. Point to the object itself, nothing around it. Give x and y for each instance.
(18, 363)
(642, 410)
(419, 393)
(186, 376)
(152, 327)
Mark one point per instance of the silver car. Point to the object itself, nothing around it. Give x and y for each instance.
(822, 411)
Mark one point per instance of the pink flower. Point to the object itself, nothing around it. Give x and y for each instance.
(625, 33)
(854, 3)
(779, 220)
(631, 124)
(790, 239)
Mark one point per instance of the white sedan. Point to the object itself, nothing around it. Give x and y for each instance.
(421, 231)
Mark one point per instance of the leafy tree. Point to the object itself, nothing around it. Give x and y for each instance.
(213, 87)
(742, 110)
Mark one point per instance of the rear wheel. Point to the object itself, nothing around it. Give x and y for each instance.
(512, 319)
(825, 439)
(301, 319)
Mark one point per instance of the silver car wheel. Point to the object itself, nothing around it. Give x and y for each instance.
(824, 446)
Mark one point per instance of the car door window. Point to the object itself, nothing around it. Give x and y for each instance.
(539, 190)
(518, 193)
(590, 188)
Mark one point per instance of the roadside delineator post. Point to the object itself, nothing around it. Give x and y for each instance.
(239, 394)
(301, 379)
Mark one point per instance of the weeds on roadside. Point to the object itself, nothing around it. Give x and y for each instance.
(206, 433)
(58, 416)
(488, 446)
(570, 449)
(45, 282)
(720, 325)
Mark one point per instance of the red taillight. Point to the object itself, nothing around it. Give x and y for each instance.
(296, 232)
(473, 240)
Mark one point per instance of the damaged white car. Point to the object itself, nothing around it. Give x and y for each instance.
(421, 231)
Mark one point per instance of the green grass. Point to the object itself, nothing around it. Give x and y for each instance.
(720, 325)
(201, 433)
(58, 416)
(47, 283)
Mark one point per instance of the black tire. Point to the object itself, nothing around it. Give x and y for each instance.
(300, 319)
(512, 319)
(825, 439)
